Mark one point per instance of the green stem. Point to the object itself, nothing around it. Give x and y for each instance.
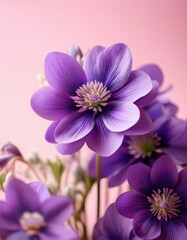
(98, 169)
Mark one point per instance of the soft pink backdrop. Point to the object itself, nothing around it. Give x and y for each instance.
(155, 31)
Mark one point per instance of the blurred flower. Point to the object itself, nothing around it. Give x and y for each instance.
(94, 104)
(75, 52)
(113, 226)
(31, 213)
(7, 152)
(157, 203)
(169, 137)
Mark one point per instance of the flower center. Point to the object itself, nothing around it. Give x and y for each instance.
(92, 96)
(164, 204)
(144, 146)
(32, 222)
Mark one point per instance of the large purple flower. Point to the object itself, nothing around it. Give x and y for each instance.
(113, 226)
(30, 213)
(158, 202)
(94, 103)
(169, 136)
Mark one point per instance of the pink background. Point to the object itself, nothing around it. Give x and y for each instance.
(155, 31)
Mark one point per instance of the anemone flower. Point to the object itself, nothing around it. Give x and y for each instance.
(94, 103)
(7, 152)
(30, 213)
(169, 136)
(114, 226)
(157, 203)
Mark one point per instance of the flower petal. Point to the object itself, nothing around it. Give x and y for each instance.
(146, 226)
(5, 158)
(138, 176)
(113, 66)
(138, 85)
(181, 187)
(57, 209)
(178, 154)
(153, 71)
(129, 203)
(164, 173)
(64, 73)
(18, 235)
(143, 126)
(118, 229)
(50, 133)
(50, 104)
(120, 116)
(91, 61)
(103, 141)
(74, 127)
(29, 201)
(41, 190)
(172, 230)
(70, 148)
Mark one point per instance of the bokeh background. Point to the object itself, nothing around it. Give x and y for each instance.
(155, 31)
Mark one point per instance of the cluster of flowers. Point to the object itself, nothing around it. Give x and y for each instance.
(135, 136)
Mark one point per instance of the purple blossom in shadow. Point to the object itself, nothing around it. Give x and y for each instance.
(114, 226)
(94, 103)
(30, 213)
(8, 151)
(158, 202)
(169, 136)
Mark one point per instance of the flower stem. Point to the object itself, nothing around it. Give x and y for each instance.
(30, 166)
(98, 169)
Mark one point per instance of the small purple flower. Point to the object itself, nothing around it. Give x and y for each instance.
(113, 226)
(158, 202)
(169, 136)
(94, 103)
(30, 213)
(7, 152)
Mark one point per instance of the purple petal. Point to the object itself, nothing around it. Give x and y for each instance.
(103, 141)
(74, 127)
(50, 104)
(146, 226)
(143, 126)
(116, 226)
(181, 187)
(164, 173)
(171, 130)
(113, 66)
(121, 116)
(129, 203)
(154, 72)
(5, 158)
(138, 176)
(21, 197)
(8, 219)
(118, 177)
(10, 148)
(91, 61)
(139, 84)
(146, 100)
(64, 73)
(99, 230)
(70, 148)
(58, 232)
(41, 190)
(57, 209)
(50, 133)
(179, 155)
(172, 230)
(21, 235)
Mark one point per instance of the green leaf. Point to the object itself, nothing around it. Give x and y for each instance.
(57, 169)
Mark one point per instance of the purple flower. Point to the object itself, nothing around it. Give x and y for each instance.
(94, 103)
(30, 213)
(113, 226)
(158, 202)
(169, 136)
(7, 152)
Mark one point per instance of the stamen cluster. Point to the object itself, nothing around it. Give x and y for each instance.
(164, 203)
(92, 96)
